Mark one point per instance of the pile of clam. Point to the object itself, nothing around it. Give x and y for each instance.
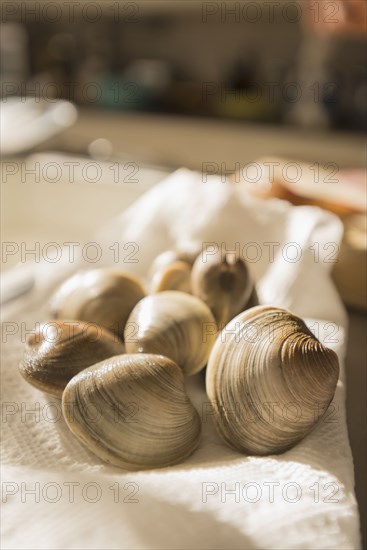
(117, 356)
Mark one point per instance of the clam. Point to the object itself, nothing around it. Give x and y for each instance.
(175, 276)
(174, 324)
(58, 350)
(269, 380)
(168, 257)
(223, 282)
(102, 296)
(171, 270)
(133, 411)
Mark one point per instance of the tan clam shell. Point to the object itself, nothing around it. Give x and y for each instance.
(102, 296)
(58, 350)
(223, 282)
(174, 324)
(171, 256)
(175, 276)
(142, 415)
(269, 380)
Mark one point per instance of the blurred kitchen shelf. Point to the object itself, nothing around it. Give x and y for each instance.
(150, 6)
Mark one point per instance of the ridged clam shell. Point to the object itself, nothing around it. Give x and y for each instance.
(133, 411)
(102, 296)
(58, 350)
(174, 324)
(269, 380)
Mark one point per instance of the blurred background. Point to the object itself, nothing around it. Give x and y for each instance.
(143, 87)
(213, 86)
(240, 61)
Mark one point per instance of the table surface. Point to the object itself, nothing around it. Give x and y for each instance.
(41, 211)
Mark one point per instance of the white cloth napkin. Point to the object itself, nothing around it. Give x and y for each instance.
(218, 498)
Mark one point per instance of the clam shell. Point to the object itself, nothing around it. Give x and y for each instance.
(174, 324)
(133, 411)
(169, 257)
(269, 380)
(58, 350)
(102, 296)
(176, 276)
(222, 280)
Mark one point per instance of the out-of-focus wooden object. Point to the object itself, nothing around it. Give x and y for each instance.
(340, 191)
(350, 272)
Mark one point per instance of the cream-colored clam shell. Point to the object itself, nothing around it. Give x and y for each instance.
(269, 380)
(174, 324)
(175, 276)
(58, 350)
(102, 296)
(222, 280)
(133, 411)
(169, 257)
